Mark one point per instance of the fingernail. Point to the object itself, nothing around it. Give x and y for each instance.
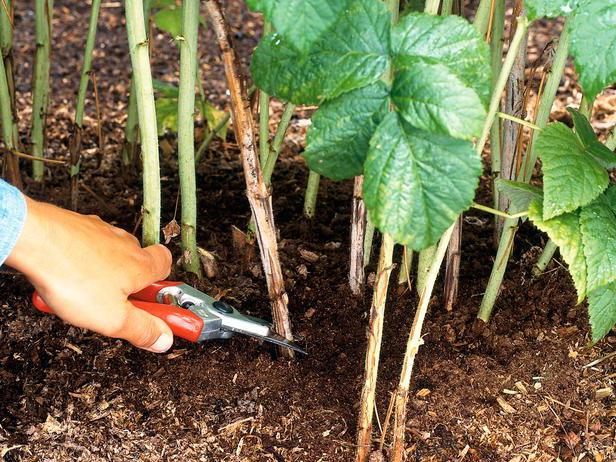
(162, 344)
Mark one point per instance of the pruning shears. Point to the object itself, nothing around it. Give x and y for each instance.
(194, 315)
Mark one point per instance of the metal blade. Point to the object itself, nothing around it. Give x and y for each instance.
(272, 337)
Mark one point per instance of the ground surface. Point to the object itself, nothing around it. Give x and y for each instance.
(517, 391)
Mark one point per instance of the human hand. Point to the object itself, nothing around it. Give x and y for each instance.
(85, 269)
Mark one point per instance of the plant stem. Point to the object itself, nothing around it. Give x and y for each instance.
(7, 95)
(432, 6)
(358, 230)
(447, 8)
(510, 225)
(258, 193)
(373, 351)
(210, 136)
(186, 134)
(426, 257)
(310, 201)
(496, 53)
(75, 143)
(482, 17)
(512, 132)
(6, 122)
(368, 238)
(516, 41)
(40, 94)
(272, 157)
(264, 107)
(144, 94)
(412, 347)
(452, 266)
(131, 130)
(377, 311)
(545, 258)
(406, 263)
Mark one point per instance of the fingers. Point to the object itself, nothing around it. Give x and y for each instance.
(145, 331)
(159, 264)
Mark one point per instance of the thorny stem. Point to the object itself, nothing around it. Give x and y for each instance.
(75, 144)
(186, 135)
(144, 94)
(258, 194)
(312, 190)
(40, 94)
(373, 351)
(510, 226)
(412, 346)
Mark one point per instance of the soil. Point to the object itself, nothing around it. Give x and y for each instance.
(516, 390)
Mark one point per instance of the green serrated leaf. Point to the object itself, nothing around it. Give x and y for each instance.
(598, 226)
(593, 39)
(338, 140)
(302, 22)
(169, 20)
(602, 310)
(432, 98)
(167, 114)
(566, 232)
(519, 194)
(549, 8)
(451, 41)
(352, 53)
(583, 128)
(585, 133)
(571, 177)
(417, 183)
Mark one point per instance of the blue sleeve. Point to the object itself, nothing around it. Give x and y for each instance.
(13, 210)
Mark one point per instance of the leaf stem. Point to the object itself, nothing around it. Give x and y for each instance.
(517, 120)
(545, 258)
(485, 208)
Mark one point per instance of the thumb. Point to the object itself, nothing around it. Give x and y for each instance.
(145, 330)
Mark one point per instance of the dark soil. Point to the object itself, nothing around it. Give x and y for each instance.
(514, 391)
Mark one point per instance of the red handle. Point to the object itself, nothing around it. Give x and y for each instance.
(183, 323)
(150, 292)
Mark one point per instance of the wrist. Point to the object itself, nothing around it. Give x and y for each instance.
(29, 251)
